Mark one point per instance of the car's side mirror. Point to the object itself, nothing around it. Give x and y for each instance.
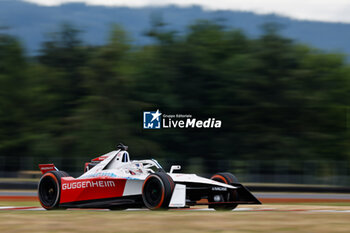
(174, 167)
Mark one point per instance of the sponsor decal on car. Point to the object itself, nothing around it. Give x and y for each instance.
(100, 174)
(88, 184)
(107, 174)
(219, 189)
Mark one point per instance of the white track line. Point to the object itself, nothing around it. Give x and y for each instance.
(6, 207)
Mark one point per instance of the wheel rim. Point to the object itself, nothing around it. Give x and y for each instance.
(229, 197)
(48, 191)
(153, 192)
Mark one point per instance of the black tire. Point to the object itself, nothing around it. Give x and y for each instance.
(227, 178)
(157, 190)
(49, 189)
(64, 174)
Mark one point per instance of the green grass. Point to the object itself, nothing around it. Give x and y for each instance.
(20, 179)
(20, 203)
(177, 221)
(171, 221)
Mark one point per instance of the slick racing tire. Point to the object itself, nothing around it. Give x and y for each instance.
(225, 177)
(232, 195)
(49, 189)
(157, 190)
(64, 174)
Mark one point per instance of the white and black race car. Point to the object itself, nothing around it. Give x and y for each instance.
(115, 182)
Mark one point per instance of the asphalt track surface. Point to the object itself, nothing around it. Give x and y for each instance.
(310, 196)
(242, 209)
(264, 197)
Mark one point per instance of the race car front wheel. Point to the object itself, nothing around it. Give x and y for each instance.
(231, 195)
(157, 190)
(49, 189)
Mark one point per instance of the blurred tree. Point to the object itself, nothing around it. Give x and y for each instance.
(277, 99)
(62, 59)
(14, 136)
(65, 54)
(102, 114)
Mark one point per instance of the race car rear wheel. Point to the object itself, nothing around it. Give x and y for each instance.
(49, 189)
(157, 190)
(64, 174)
(232, 195)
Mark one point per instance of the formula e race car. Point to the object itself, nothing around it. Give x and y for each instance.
(113, 181)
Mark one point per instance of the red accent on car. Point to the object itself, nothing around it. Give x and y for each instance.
(47, 167)
(101, 158)
(88, 189)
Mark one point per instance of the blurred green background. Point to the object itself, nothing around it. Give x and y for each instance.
(283, 104)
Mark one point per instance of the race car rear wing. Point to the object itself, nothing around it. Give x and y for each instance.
(47, 167)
